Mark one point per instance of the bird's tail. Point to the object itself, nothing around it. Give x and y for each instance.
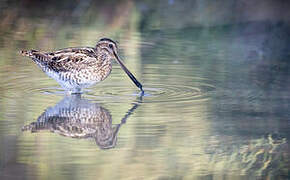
(28, 53)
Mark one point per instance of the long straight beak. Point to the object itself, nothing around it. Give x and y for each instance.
(131, 76)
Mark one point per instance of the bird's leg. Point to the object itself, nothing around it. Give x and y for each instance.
(76, 90)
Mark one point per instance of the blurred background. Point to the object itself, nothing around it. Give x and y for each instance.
(216, 77)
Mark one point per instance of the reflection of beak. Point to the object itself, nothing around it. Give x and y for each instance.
(131, 76)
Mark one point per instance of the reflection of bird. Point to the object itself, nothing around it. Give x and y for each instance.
(77, 68)
(78, 118)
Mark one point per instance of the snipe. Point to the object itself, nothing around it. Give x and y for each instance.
(81, 67)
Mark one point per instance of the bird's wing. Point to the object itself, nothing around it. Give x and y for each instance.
(64, 59)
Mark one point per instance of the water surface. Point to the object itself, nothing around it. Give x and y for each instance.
(216, 102)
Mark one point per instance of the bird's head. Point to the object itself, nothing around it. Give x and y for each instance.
(108, 44)
(111, 46)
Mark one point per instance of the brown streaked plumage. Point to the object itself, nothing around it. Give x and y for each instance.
(80, 67)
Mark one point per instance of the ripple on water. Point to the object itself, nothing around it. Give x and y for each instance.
(191, 90)
(177, 93)
(153, 93)
(158, 88)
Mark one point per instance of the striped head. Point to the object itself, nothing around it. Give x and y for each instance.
(111, 47)
(108, 44)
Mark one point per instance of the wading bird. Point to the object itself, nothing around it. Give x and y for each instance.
(80, 67)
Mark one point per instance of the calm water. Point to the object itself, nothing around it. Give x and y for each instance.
(216, 103)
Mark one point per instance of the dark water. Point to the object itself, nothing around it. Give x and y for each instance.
(216, 102)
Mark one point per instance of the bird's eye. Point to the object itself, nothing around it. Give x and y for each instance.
(111, 46)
